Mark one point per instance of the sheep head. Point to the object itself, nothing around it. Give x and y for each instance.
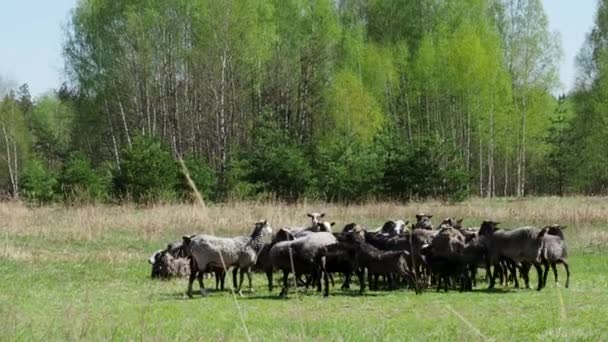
(422, 217)
(556, 229)
(488, 227)
(152, 259)
(353, 232)
(315, 217)
(262, 227)
(423, 221)
(393, 227)
(452, 222)
(186, 240)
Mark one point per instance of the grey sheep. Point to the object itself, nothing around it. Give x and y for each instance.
(555, 251)
(305, 255)
(170, 262)
(423, 221)
(518, 245)
(211, 252)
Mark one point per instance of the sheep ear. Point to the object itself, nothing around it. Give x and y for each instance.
(562, 227)
(460, 221)
(265, 222)
(322, 215)
(418, 216)
(333, 224)
(429, 216)
(187, 239)
(309, 215)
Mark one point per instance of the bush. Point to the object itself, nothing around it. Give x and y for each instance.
(347, 169)
(148, 172)
(275, 164)
(204, 178)
(238, 187)
(425, 169)
(79, 181)
(37, 183)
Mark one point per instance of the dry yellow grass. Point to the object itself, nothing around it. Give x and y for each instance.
(585, 217)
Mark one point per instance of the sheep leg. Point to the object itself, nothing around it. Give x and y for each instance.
(567, 272)
(285, 284)
(269, 277)
(525, 273)
(539, 274)
(346, 284)
(361, 276)
(241, 282)
(191, 281)
(554, 268)
(513, 270)
(490, 275)
(222, 276)
(199, 277)
(234, 273)
(546, 273)
(249, 279)
(326, 281)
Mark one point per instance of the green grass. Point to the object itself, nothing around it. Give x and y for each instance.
(59, 285)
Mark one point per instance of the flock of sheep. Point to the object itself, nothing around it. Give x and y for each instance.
(422, 256)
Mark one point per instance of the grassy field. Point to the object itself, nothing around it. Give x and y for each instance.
(81, 274)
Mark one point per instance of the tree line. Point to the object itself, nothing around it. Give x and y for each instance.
(338, 100)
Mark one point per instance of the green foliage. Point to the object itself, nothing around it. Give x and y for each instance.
(80, 183)
(147, 173)
(15, 143)
(203, 177)
(38, 184)
(51, 127)
(199, 75)
(427, 169)
(353, 109)
(276, 164)
(347, 169)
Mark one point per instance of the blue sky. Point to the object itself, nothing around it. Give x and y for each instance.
(31, 33)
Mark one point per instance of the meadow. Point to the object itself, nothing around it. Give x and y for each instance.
(81, 273)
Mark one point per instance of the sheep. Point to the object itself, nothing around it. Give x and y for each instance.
(555, 251)
(220, 274)
(165, 265)
(468, 233)
(444, 255)
(377, 261)
(169, 262)
(519, 245)
(323, 226)
(305, 255)
(340, 256)
(315, 217)
(423, 221)
(263, 262)
(316, 226)
(211, 252)
(391, 228)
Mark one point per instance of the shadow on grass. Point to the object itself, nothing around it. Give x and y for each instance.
(265, 295)
(196, 294)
